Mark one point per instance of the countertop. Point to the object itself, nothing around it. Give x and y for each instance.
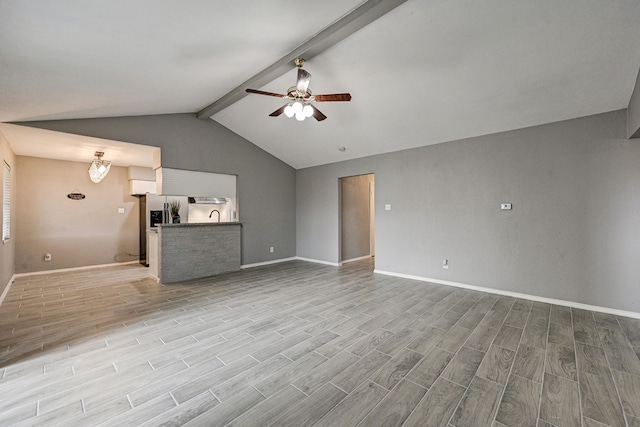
(200, 224)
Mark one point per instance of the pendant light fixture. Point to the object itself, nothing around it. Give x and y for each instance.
(99, 168)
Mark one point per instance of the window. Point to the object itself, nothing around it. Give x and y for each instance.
(6, 201)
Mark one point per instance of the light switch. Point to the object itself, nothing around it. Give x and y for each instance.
(387, 207)
(505, 206)
(120, 210)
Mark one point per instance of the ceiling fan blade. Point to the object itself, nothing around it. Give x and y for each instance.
(303, 81)
(261, 92)
(317, 114)
(278, 111)
(333, 97)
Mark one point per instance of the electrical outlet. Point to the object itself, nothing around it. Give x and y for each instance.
(387, 206)
(47, 257)
(445, 264)
(271, 249)
(505, 206)
(120, 210)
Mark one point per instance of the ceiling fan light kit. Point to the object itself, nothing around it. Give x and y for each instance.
(298, 109)
(301, 97)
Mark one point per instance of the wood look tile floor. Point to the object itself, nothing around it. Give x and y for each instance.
(300, 344)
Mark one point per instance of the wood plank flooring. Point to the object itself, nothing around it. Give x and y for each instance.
(300, 344)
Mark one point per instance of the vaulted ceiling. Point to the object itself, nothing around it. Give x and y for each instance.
(426, 72)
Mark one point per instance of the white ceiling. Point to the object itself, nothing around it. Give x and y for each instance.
(34, 142)
(427, 72)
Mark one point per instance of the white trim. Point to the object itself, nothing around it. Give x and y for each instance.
(6, 201)
(317, 261)
(6, 288)
(345, 261)
(275, 261)
(565, 303)
(62, 270)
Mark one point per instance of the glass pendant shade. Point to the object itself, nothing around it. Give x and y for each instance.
(99, 168)
(307, 110)
(288, 111)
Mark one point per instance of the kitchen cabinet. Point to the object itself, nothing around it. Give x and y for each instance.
(194, 183)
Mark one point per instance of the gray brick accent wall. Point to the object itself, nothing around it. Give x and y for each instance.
(191, 251)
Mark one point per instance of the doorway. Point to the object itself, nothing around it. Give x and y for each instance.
(357, 217)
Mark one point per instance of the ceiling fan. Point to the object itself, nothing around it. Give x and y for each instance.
(301, 97)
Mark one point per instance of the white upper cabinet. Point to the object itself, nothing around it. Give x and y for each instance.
(178, 182)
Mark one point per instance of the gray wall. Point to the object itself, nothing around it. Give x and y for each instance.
(573, 232)
(355, 217)
(266, 185)
(8, 249)
(633, 111)
(76, 232)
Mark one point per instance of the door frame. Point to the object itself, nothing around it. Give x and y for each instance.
(371, 205)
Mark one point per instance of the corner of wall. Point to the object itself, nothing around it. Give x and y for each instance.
(8, 249)
(6, 289)
(633, 111)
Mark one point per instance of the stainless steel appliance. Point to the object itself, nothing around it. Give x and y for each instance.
(155, 218)
(151, 214)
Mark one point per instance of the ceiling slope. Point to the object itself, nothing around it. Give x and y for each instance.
(79, 59)
(424, 73)
(431, 72)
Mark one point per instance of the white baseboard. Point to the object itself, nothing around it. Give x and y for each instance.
(275, 261)
(6, 288)
(317, 261)
(607, 310)
(345, 261)
(86, 267)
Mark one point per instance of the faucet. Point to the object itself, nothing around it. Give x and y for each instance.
(215, 210)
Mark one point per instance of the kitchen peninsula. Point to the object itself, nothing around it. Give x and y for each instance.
(195, 250)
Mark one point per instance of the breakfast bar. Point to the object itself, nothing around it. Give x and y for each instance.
(196, 250)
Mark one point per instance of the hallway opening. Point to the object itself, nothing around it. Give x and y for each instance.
(357, 217)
